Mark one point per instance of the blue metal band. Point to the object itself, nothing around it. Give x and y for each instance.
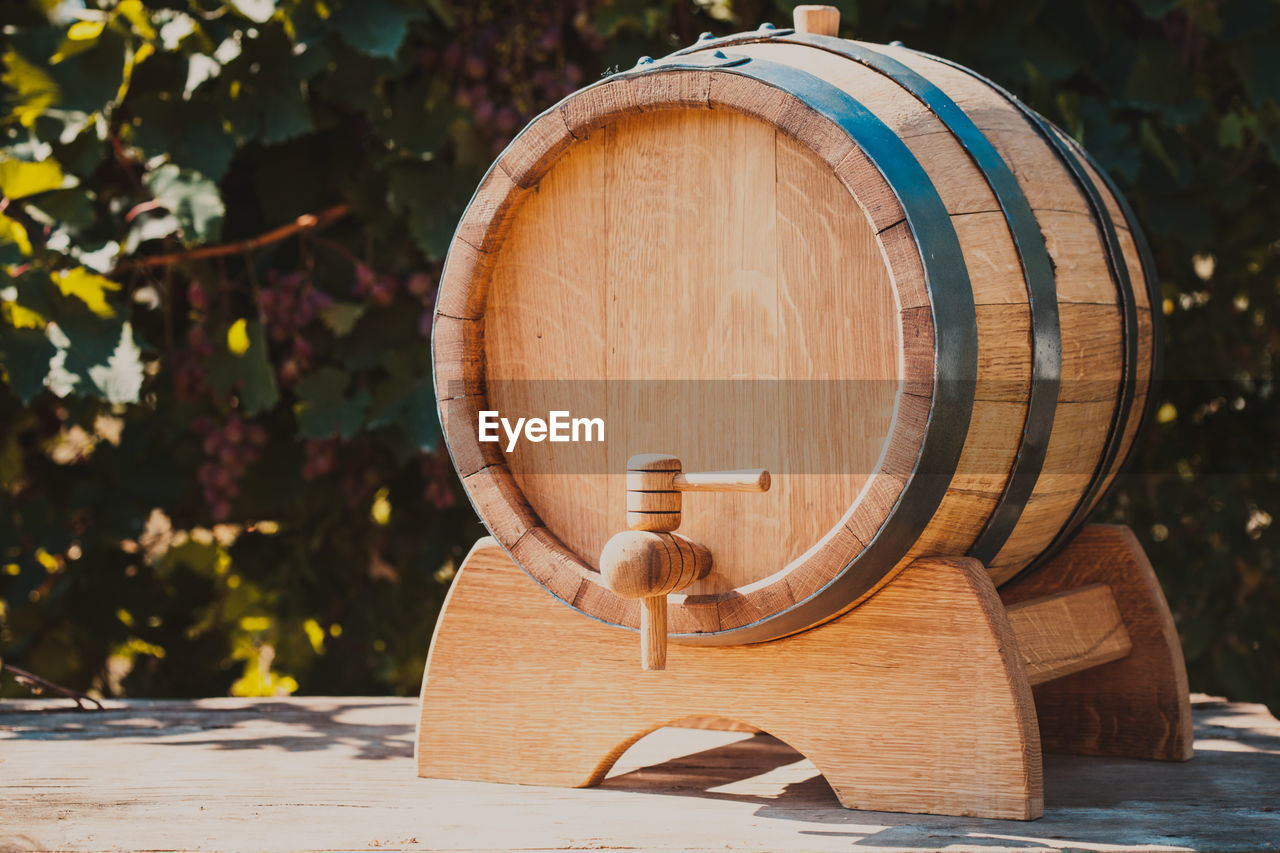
(1155, 300)
(1120, 277)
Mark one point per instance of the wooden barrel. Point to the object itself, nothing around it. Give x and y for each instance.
(939, 311)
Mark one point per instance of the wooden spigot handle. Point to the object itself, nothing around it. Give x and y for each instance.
(650, 560)
(653, 632)
(751, 480)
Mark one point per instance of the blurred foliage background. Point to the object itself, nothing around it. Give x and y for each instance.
(221, 230)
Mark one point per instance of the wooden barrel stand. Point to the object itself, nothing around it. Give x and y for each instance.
(934, 695)
(927, 322)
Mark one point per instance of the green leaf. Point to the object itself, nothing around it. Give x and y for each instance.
(271, 110)
(355, 81)
(378, 335)
(418, 119)
(199, 69)
(258, 11)
(191, 197)
(261, 92)
(405, 399)
(33, 90)
(191, 133)
(1242, 18)
(260, 392)
(434, 196)
(341, 317)
(373, 27)
(1158, 81)
(19, 179)
(1268, 128)
(82, 155)
(325, 410)
(14, 243)
(409, 404)
(1258, 64)
(36, 293)
(27, 353)
(1231, 131)
(87, 343)
(1151, 142)
(444, 12)
(92, 78)
(96, 356)
(1156, 9)
(249, 374)
(89, 288)
(432, 228)
(150, 226)
(238, 337)
(421, 419)
(72, 208)
(120, 379)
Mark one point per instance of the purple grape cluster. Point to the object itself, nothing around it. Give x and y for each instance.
(190, 367)
(288, 303)
(230, 447)
(506, 71)
(422, 286)
(436, 471)
(190, 363)
(321, 458)
(378, 288)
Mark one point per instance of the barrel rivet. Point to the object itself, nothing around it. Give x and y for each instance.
(645, 60)
(705, 37)
(766, 26)
(896, 44)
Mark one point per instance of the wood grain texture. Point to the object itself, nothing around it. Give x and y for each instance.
(804, 339)
(653, 633)
(1136, 707)
(943, 725)
(743, 480)
(288, 774)
(557, 297)
(821, 20)
(460, 344)
(1068, 632)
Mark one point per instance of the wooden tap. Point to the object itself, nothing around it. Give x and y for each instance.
(650, 560)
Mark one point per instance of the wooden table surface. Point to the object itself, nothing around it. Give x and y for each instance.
(338, 773)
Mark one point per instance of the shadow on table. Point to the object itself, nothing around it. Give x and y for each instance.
(1227, 797)
(291, 727)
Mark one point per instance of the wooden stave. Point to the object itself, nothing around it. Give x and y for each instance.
(723, 636)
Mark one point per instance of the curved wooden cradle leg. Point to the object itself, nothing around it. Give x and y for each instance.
(915, 701)
(1138, 706)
